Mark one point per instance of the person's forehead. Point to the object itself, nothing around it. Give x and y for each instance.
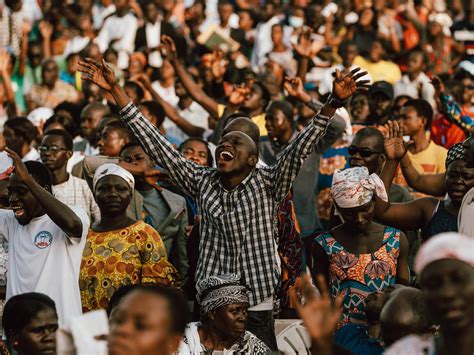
(112, 180)
(145, 304)
(196, 145)
(364, 141)
(14, 181)
(130, 152)
(52, 139)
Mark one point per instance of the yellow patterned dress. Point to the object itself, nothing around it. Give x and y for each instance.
(132, 255)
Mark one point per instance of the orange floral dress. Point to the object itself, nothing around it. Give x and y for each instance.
(129, 256)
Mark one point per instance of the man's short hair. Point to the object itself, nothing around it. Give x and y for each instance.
(121, 129)
(64, 121)
(371, 132)
(130, 145)
(67, 139)
(210, 160)
(22, 127)
(423, 109)
(40, 173)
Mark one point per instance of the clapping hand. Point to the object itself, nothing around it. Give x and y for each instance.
(294, 86)
(344, 86)
(395, 146)
(239, 95)
(168, 48)
(100, 74)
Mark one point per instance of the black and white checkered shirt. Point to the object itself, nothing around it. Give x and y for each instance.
(238, 227)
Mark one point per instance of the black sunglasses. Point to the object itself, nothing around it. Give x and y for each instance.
(364, 152)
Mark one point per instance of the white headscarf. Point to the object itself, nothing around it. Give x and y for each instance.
(450, 245)
(354, 187)
(466, 215)
(113, 169)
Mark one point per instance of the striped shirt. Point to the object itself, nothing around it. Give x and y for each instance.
(238, 227)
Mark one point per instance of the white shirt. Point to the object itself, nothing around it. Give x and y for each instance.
(263, 40)
(76, 192)
(412, 88)
(123, 29)
(194, 114)
(33, 155)
(168, 94)
(153, 34)
(42, 258)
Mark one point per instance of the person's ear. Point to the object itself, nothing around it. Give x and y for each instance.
(69, 154)
(253, 160)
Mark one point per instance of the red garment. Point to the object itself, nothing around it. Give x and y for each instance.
(446, 133)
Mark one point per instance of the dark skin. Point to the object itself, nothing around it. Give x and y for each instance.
(368, 144)
(359, 108)
(39, 336)
(90, 118)
(380, 106)
(138, 157)
(224, 327)
(56, 162)
(195, 151)
(414, 126)
(140, 325)
(279, 127)
(113, 195)
(448, 285)
(111, 142)
(417, 214)
(16, 143)
(360, 235)
(30, 200)
(232, 171)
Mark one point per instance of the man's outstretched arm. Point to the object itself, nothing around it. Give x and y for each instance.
(289, 164)
(155, 145)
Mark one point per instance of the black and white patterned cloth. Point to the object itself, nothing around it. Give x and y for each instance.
(454, 153)
(217, 291)
(238, 228)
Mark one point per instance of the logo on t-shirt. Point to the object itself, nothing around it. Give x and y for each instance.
(43, 239)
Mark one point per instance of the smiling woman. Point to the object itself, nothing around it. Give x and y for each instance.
(119, 250)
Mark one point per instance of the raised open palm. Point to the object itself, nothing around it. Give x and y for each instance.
(100, 74)
(395, 146)
(344, 86)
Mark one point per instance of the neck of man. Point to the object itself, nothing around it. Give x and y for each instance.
(60, 175)
(254, 112)
(122, 13)
(24, 150)
(414, 75)
(184, 102)
(107, 221)
(231, 181)
(50, 86)
(459, 339)
(218, 340)
(421, 142)
(285, 137)
(166, 83)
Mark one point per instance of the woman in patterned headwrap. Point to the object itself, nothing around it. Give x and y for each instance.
(224, 303)
(359, 256)
(429, 214)
(119, 250)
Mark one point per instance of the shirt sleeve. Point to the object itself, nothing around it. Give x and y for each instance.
(84, 217)
(284, 171)
(156, 268)
(183, 172)
(6, 218)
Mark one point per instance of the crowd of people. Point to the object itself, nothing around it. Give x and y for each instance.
(201, 169)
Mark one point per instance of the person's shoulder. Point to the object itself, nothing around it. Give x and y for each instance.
(399, 193)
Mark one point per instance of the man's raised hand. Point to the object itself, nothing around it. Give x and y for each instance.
(100, 74)
(344, 86)
(168, 48)
(395, 146)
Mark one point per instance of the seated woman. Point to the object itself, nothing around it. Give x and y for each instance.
(445, 264)
(359, 256)
(30, 322)
(119, 250)
(429, 214)
(224, 303)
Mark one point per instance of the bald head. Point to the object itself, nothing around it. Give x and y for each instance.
(404, 313)
(245, 125)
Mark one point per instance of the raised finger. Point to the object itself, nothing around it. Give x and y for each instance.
(322, 286)
(359, 75)
(353, 71)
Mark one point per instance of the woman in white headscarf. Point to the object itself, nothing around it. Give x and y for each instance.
(224, 303)
(119, 250)
(359, 256)
(445, 264)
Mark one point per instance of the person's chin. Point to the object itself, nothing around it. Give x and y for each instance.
(23, 220)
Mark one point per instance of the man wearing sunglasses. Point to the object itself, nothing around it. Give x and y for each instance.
(367, 150)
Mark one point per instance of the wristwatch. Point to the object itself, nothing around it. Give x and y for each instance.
(335, 102)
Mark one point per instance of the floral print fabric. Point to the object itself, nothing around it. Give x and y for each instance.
(112, 259)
